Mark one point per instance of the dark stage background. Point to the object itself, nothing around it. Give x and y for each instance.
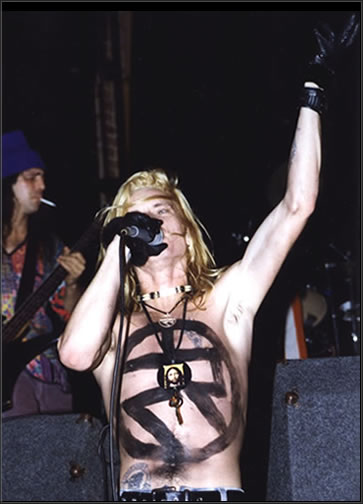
(213, 98)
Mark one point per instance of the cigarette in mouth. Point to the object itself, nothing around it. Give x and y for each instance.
(47, 202)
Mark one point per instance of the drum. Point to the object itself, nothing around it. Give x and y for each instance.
(314, 306)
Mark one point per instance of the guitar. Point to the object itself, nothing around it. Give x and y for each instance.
(16, 352)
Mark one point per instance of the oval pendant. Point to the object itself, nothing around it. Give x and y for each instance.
(167, 322)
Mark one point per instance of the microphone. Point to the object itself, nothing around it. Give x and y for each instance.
(142, 235)
(145, 234)
(136, 227)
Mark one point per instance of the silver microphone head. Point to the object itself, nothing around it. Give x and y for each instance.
(158, 238)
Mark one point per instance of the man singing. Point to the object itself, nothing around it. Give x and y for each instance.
(183, 443)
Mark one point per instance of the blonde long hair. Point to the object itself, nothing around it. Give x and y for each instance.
(201, 267)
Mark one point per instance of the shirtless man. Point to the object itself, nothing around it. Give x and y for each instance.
(183, 443)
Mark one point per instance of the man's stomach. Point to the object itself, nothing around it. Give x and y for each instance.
(202, 451)
(221, 470)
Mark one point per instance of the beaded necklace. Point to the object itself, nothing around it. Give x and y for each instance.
(164, 292)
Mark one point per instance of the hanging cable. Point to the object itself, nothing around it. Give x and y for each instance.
(117, 373)
(101, 453)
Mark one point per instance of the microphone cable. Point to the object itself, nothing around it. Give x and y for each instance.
(117, 373)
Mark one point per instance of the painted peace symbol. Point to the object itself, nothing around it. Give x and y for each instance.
(170, 450)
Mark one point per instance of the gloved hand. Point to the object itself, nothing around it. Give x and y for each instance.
(332, 47)
(141, 251)
(139, 248)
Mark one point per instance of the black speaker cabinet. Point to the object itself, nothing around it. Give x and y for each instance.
(52, 458)
(315, 431)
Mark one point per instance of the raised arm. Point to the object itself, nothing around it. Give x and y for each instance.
(246, 283)
(248, 280)
(87, 334)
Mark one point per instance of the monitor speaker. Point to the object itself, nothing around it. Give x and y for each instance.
(314, 450)
(52, 458)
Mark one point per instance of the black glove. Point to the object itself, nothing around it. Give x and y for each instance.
(139, 248)
(331, 52)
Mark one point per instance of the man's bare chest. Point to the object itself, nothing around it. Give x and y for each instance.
(188, 361)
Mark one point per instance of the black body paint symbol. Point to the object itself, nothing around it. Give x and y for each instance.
(170, 450)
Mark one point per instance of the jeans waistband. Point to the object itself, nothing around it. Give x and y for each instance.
(170, 494)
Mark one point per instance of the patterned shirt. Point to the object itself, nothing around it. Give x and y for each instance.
(46, 366)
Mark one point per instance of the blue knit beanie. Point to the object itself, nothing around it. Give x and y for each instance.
(17, 156)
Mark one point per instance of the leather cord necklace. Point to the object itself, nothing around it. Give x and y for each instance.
(173, 375)
(167, 320)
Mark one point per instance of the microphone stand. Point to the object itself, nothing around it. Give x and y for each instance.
(353, 318)
(331, 302)
(349, 266)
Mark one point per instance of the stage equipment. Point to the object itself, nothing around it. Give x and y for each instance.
(315, 431)
(52, 458)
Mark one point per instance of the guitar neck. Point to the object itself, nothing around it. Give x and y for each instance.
(30, 306)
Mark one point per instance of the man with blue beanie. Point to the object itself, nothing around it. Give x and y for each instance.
(32, 382)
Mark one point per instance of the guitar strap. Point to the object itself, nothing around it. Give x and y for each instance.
(28, 275)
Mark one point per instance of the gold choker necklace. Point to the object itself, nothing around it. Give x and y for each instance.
(164, 292)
